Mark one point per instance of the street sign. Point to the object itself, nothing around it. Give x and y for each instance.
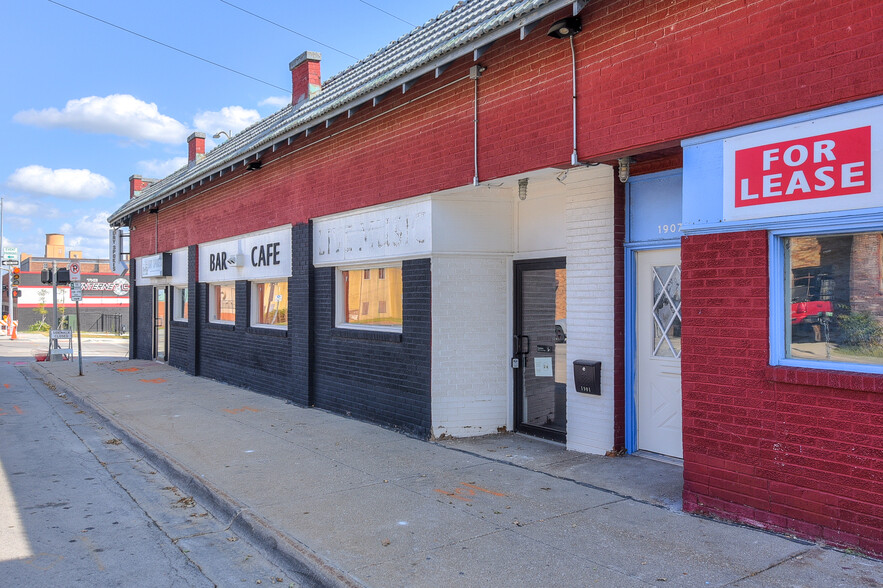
(76, 290)
(74, 269)
(10, 262)
(60, 334)
(10, 253)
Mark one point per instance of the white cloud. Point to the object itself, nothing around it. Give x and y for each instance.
(72, 184)
(88, 234)
(276, 101)
(157, 168)
(117, 114)
(20, 207)
(229, 118)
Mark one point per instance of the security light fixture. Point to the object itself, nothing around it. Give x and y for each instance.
(254, 165)
(566, 27)
(225, 133)
(522, 189)
(624, 168)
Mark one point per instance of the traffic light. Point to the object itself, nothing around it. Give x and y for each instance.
(62, 276)
(46, 276)
(16, 280)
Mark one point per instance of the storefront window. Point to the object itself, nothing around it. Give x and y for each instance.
(371, 297)
(834, 292)
(222, 303)
(180, 304)
(270, 304)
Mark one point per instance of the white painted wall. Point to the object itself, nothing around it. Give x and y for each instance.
(470, 350)
(540, 222)
(590, 304)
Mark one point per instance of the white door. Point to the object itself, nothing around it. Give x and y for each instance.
(658, 349)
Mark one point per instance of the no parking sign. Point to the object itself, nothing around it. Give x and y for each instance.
(74, 269)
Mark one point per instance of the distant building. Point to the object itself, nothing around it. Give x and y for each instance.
(105, 304)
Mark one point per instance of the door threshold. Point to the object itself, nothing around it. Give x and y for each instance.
(677, 461)
(562, 444)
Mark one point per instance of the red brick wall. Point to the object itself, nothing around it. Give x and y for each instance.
(788, 449)
(650, 74)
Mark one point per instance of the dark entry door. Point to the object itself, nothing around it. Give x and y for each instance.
(541, 347)
(160, 324)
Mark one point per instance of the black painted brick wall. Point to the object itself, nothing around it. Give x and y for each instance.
(183, 340)
(133, 306)
(377, 377)
(143, 330)
(299, 303)
(253, 358)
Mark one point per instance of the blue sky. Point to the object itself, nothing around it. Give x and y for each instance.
(85, 105)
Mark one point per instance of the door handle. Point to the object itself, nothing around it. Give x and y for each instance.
(523, 344)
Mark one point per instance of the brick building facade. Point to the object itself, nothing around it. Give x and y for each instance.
(459, 160)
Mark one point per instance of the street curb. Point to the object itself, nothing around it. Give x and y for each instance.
(281, 549)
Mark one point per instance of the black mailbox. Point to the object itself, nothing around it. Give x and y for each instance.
(587, 376)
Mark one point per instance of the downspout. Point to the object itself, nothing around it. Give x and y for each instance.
(474, 73)
(574, 160)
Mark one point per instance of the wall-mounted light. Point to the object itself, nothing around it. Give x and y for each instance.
(624, 168)
(566, 27)
(254, 165)
(228, 134)
(522, 189)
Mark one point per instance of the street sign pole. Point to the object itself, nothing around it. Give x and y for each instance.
(77, 295)
(54, 305)
(79, 339)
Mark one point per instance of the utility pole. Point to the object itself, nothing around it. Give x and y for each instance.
(8, 326)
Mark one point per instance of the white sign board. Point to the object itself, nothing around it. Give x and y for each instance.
(10, 253)
(76, 290)
(60, 334)
(386, 233)
(155, 266)
(823, 165)
(263, 255)
(74, 269)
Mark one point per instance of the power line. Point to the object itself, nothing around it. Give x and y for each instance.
(287, 29)
(389, 13)
(230, 69)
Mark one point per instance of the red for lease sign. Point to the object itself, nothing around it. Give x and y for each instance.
(832, 164)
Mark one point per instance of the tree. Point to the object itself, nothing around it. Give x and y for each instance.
(41, 307)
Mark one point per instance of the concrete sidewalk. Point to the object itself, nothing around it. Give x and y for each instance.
(348, 503)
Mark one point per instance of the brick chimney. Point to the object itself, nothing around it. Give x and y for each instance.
(306, 81)
(137, 183)
(195, 148)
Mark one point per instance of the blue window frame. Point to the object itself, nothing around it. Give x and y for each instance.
(826, 295)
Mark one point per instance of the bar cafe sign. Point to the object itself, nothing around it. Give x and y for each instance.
(256, 256)
(823, 165)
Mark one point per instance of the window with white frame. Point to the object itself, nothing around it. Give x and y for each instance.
(269, 304)
(180, 304)
(833, 300)
(370, 297)
(222, 303)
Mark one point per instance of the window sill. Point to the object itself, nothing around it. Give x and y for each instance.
(367, 335)
(268, 331)
(221, 326)
(822, 378)
(180, 322)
